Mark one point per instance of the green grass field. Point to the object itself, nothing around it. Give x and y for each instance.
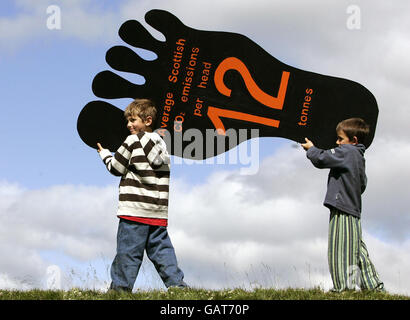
(198, 294)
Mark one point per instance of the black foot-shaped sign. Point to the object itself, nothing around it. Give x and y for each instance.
(220, 82)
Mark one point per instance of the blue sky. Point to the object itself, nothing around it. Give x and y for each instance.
(57, 201)
(47, 84)
(43, 95)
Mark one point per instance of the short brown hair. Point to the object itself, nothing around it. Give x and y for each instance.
(142, 108)
(354, 127)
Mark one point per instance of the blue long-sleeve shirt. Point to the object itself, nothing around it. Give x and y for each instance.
(347, 178)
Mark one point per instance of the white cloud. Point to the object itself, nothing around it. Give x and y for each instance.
(274, 224)
(7, 283)
(386, 211)
(269, 229)
(60, 217)
(83, 20)
(76, 221)
(262, 235)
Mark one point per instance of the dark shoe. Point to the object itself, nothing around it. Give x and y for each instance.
(120, 289)
(182, 285)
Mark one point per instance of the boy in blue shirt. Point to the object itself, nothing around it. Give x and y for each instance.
(349, 261)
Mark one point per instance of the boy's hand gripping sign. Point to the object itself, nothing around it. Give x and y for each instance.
(209, 85)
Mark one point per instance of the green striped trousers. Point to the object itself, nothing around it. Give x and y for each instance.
(349, 261)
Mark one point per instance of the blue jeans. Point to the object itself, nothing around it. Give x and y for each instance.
(132, 239)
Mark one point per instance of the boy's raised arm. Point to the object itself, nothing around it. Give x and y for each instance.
(117, 164)
(332, 158)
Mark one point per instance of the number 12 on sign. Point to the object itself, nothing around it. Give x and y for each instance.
(232, 63)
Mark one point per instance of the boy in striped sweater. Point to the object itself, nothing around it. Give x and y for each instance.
(349, 261)
(143, 164)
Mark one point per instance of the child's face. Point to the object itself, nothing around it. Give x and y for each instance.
(135, 124)
(342, 138)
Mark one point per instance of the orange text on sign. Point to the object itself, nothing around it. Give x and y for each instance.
(259, 95)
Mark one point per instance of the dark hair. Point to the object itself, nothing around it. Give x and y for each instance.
(354, 127)
(142, 108)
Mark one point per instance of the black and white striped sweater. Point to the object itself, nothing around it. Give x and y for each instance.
(143, 163)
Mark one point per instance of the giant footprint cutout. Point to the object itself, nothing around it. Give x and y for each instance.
(222, 81)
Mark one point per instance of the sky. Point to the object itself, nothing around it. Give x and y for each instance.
(230, 227)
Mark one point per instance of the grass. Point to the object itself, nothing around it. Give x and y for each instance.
(198, 294)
